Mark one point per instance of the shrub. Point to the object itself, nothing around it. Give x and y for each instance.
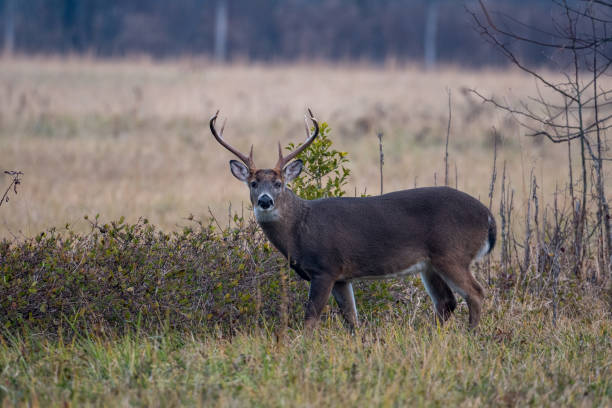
(324, 173)
(122, 276)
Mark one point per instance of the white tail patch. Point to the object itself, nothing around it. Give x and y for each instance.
(483, 250)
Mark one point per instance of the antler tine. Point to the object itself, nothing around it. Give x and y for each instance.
(306, 127)
(282, 161)
(219, 137)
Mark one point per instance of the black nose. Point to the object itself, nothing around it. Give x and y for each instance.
(265, 201)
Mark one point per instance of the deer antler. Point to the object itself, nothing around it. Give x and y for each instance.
(282, 161)
(219, 136)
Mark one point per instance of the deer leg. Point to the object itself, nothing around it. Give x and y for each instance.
(439, 292)
(461, 280)
(343, 293)
(317, 298)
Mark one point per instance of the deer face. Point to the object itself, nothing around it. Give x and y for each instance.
(266, 186)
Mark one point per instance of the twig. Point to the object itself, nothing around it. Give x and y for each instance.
(382, 159)
(447, 137)
(504, 231)
(491, 191)
(494, 172)
(527, 255)
(456, 177)
(14, 183)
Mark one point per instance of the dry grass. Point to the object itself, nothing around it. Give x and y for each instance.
(130, 138)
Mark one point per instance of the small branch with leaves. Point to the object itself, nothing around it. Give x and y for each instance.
(16, 180)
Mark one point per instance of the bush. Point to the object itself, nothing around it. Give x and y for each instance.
(324, 174)
(122, 276)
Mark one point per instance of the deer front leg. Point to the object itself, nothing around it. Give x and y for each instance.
(318, 295)
(343, 293)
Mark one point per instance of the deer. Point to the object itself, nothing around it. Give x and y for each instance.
(436, 232)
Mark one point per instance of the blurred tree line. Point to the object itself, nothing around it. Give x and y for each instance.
(266, 30)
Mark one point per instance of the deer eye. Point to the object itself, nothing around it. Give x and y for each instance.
(253, 184)
(278, 184)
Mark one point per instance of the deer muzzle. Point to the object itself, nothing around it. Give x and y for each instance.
(265, 202)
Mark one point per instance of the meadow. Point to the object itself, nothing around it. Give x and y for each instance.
(153, 303)
(131, 138)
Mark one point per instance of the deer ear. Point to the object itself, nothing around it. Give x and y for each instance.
(293, 169)
(239, 170)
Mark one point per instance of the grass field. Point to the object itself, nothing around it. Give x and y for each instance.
(130, 138)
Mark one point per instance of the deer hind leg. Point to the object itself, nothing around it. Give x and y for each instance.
(343, 293)
(317, 298)
(461, 280)
(439, 292)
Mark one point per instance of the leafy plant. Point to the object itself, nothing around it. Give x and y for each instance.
(121, 276)
(324, 173)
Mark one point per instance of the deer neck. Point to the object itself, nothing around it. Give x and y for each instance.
(283, 229)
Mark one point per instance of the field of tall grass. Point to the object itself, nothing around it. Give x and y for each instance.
(172, 296)
(131, 138)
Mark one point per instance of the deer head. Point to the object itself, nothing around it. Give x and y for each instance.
(267, 186)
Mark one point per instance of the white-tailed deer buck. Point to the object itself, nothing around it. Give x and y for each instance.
(434, 231)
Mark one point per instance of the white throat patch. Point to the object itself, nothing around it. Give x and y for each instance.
(269, 215)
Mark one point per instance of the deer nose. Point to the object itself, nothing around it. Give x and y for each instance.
(265, 201)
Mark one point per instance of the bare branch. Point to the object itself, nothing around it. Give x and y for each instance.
(16, 175)
(514, 59)
(584, 45)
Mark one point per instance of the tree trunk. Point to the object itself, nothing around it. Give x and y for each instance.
(221, 31)
(431, 30)
(9, 27)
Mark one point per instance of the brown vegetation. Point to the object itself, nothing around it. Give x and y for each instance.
(130, 138)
